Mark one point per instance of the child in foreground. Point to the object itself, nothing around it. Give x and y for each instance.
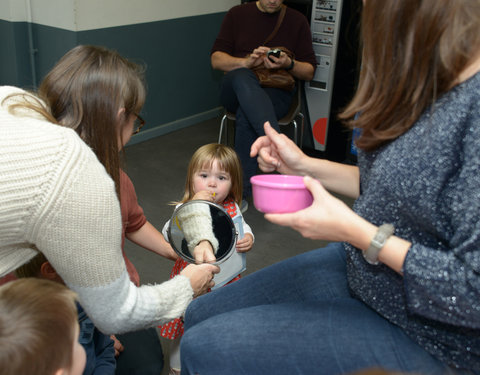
(214, 174)
(98, 346)
(39, 329)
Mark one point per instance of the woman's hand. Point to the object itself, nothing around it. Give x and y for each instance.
(276, 152)
(245, 244)
(201, 277)
(203, 252)
(328, 218)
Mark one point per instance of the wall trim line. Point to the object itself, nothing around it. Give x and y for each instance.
(175, 125)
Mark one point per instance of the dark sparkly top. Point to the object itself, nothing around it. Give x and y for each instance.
(427, 184)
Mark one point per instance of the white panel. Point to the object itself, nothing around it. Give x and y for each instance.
(56, 13)
(80, 15)
(13, 10)
(325, 25)
(94, 14)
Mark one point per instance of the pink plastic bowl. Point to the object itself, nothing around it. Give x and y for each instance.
(276, 193)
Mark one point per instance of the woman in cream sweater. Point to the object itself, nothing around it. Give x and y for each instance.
(56, 197)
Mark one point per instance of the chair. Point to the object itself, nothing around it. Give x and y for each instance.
(289, 118)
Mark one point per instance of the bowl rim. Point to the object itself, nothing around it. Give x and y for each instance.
(286, 184)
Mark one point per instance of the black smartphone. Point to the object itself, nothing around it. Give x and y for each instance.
(274, 52)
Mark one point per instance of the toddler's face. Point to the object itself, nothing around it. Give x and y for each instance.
(213, 180)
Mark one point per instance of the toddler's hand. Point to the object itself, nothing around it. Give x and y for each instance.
(203, 252)
(204, 195)
(245, 244)
(117, 345)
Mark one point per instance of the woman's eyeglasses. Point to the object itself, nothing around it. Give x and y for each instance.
(138, 124)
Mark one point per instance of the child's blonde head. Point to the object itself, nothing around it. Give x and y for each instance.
(227, 160)
(38, 327)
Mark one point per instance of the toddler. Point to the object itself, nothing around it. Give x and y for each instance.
(214, 174)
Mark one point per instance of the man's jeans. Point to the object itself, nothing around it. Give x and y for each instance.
(253, 105)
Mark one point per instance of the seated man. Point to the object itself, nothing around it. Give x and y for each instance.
(238, 48)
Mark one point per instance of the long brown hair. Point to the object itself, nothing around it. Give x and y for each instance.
(86, 89)
(227, 160)
(25, 103)
(38, 326)
(413, 52)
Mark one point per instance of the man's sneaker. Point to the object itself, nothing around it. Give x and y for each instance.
(244, 206)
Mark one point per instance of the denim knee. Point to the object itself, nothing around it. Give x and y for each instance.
(188, 315)
(241, 79)
(240, 74)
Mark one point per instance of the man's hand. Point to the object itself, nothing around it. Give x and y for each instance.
(257, 57)
(272, 62)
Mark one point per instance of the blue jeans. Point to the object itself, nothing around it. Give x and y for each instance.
(242, 94)
(295, 317)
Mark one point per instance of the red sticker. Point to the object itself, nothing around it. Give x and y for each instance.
(320, 130)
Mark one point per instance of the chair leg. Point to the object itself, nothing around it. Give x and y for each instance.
(222, 124)
(226, 131)
(302, 124)
(295, 132)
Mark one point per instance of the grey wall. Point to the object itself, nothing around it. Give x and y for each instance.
(182, 88)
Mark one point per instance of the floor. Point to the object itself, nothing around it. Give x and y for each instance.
(158, 168)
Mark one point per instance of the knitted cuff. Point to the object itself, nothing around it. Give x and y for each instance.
(196, 223)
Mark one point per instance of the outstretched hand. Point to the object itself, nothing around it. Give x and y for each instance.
(201, 277)
(203, 252)
(327, 218)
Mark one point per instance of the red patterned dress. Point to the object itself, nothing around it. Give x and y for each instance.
(174, 328)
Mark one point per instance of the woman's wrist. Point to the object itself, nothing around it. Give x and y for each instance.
(360, 233)
(356, 230)
(309, 166)
(394, 252)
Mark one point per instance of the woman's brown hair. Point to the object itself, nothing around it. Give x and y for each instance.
(227, 160)
(86, 89)
(38, 326)
(413, 52)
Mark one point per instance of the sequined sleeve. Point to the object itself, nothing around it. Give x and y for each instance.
(443, 283)
(427, 184)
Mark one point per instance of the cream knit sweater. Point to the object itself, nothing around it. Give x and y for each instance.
(57, 197)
